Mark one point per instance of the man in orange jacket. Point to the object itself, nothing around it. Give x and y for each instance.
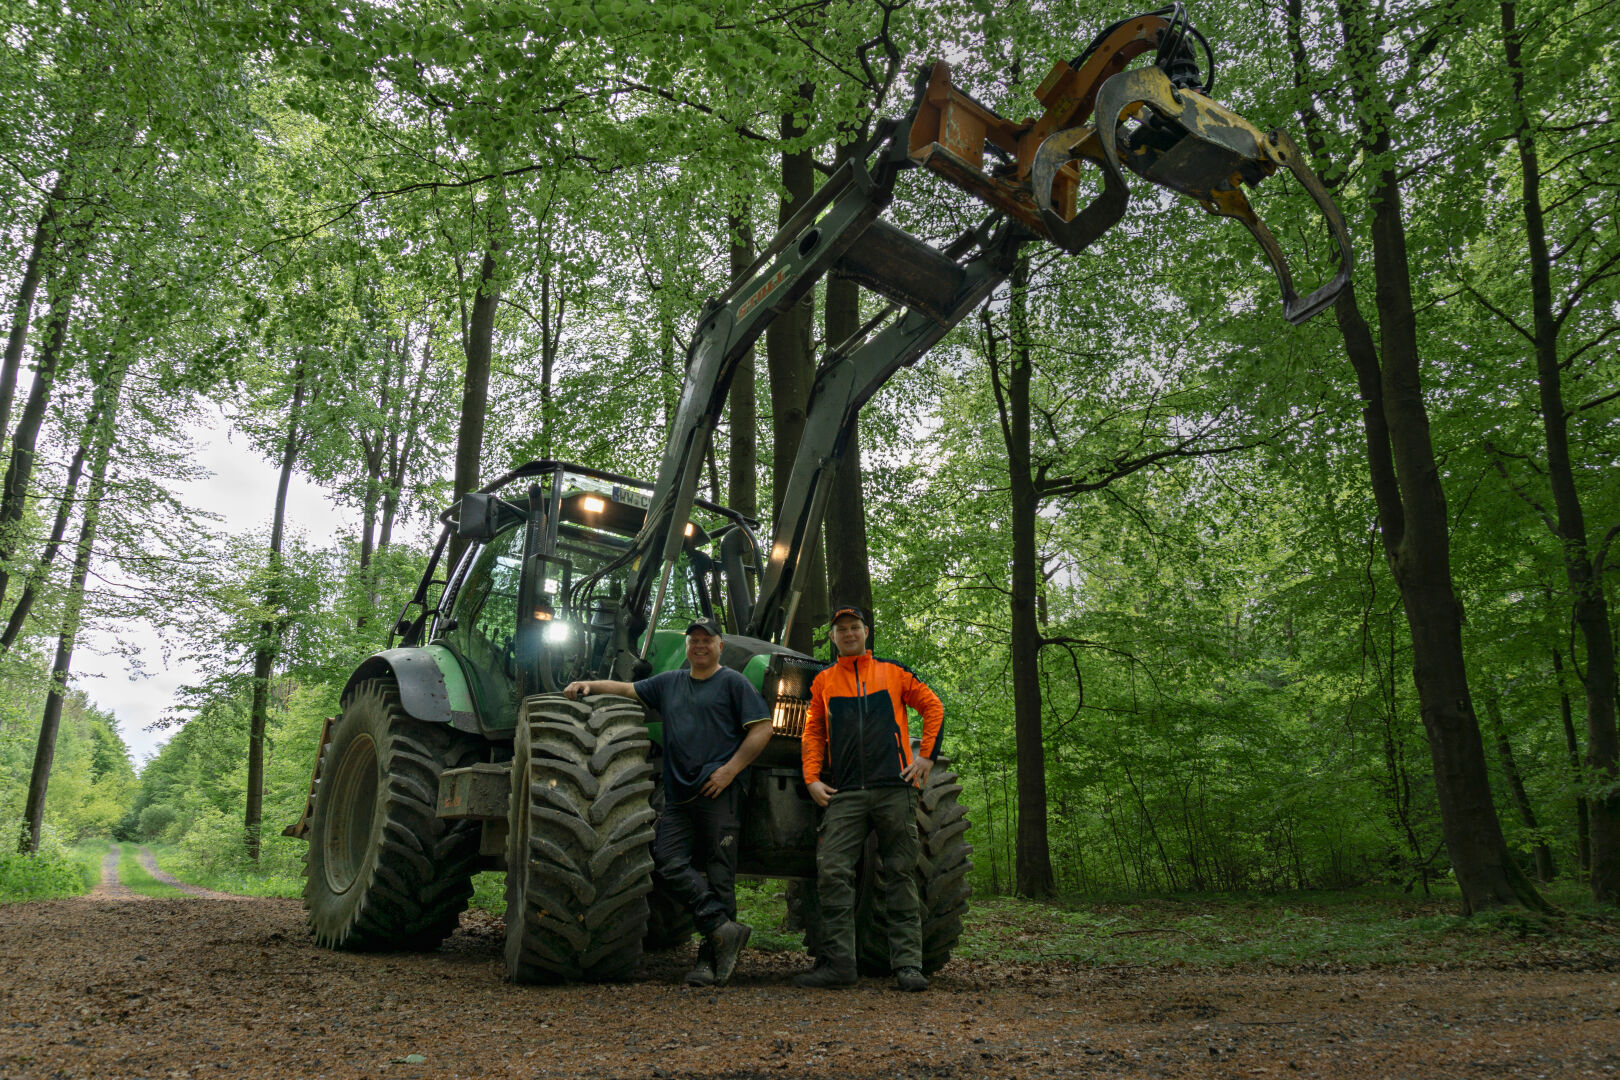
(859, 766)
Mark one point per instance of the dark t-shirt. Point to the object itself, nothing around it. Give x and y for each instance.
(704, 723)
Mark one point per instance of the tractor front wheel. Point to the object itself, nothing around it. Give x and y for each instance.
(579, 839)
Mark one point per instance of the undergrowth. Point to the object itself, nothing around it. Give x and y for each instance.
(278, 872)
(56, 870)
(1358, 928)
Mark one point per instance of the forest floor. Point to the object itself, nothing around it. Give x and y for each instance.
(121, 985)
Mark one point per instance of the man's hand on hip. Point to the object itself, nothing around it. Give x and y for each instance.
(917, 772)
(719, 780)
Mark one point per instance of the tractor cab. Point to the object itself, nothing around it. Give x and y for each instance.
(535, 599)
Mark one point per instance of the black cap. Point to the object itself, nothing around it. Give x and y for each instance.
(706, 625)
(849, 609)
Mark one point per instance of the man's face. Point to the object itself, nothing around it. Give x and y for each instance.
(702, 649)
(849, 635)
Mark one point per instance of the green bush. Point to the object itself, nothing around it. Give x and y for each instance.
(53, 871)
(210, 852)
(156, 820)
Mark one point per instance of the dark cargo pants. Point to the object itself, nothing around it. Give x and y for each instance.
(892, 813)
(695, 852)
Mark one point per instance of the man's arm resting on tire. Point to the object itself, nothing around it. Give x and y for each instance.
(586, 687)
(759, 733)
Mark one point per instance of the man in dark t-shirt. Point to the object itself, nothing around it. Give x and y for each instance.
(715, 725)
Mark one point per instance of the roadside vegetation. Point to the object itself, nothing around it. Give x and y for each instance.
(57, 870)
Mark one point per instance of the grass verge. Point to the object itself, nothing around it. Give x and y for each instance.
(135, 877)
(1357, 928)
(237, 875)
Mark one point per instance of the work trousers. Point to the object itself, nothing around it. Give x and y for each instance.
(892, 813)
(695, 852)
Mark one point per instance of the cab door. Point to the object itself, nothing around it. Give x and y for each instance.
(484, 634)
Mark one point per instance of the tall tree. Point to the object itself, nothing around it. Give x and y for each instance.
(274, 624)
(110, 382)
(1407, 491)
(1585, 265)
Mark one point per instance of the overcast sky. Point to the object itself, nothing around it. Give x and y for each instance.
(240, 491)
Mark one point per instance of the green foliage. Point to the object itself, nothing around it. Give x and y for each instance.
(156, 820)
(55, 870)
(92, 779)
(211, 855)
(1349, 929)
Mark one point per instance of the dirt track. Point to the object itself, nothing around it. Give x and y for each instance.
(204, 988)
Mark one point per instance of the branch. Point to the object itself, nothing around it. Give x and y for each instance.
(1603, 271)
(1499, 459)
(674, 99)
(1498, 312)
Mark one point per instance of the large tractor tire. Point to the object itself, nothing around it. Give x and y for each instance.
(382, 872)
(578, 857)
(943, 888)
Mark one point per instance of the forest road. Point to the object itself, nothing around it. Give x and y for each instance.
(201, 988)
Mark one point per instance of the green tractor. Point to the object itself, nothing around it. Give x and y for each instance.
(456, 751)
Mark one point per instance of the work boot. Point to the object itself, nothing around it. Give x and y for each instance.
(702, 973)
(826, 975)
(728, 941)
(910, 978)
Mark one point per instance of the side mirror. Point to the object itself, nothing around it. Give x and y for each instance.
(475, 517)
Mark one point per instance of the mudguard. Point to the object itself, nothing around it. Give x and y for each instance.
(432, 686)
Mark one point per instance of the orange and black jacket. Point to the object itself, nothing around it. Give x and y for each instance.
(855, 735)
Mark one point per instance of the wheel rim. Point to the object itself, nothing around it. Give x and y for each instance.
(353, 807)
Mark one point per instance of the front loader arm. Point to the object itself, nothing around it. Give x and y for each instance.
(797, 257)
(1157, 120)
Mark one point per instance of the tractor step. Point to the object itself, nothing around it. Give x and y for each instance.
(475, 792)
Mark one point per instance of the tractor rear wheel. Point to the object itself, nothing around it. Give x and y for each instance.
(382, 872)
(579, 838)
(943, 888)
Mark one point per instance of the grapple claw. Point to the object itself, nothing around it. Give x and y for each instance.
(1101, 214)
(1188, 143)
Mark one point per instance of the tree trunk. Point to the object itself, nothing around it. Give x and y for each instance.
(14, 489)
(44, 238)
(787, 353)
(1412, 505)
(1591, 606)
(478, 343)
(1545, 871)
(742, 488)
(552, 311)
(1033, 864)
(1583, 834)
(51, 719)
(403, 441)
(64, 511)
(274, 624)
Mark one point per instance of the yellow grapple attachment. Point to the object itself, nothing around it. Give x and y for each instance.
(1192, 145)
(1183, 140)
